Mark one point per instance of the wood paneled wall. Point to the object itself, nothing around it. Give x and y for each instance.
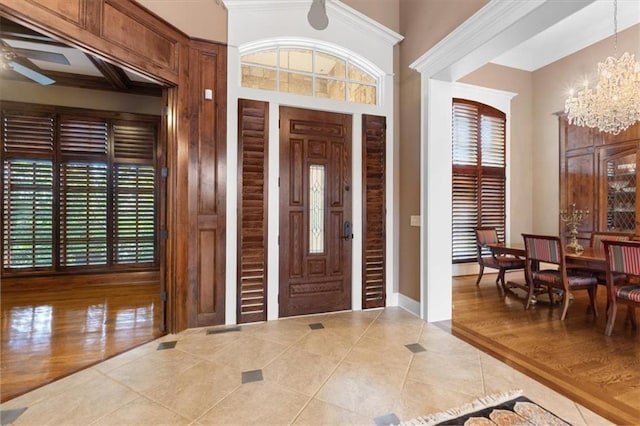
(123, 32)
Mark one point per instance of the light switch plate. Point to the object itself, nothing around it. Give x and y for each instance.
(415, 220)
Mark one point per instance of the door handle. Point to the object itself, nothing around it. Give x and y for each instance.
(346, 231)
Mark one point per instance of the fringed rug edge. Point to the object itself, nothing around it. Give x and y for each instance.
(470, 407)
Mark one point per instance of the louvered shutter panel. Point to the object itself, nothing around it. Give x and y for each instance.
(83, 191)
(252, 210)
(134, 194)
(374, 241)
(27, 190)
(479, 179)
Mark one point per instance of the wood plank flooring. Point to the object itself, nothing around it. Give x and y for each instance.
(573, 357)
(49, 334)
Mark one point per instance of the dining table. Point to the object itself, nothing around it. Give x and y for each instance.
(590, 258)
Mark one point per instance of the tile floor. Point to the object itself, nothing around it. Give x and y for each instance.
(370, 367)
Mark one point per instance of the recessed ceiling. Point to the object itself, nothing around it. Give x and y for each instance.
(589, 25)
(67, 65)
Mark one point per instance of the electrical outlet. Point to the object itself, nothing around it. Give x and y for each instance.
(415, 220)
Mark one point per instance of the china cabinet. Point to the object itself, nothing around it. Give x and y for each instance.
(620, 177)
(599, 173)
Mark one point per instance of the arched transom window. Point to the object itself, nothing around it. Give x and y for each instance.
(309, 71)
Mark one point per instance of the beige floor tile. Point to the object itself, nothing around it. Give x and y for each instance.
(259, 403)
(459, 370)
(326, 342)
(300, 371)
(249, 353)
(79, 405)
(132, 355)
(53, 389)
(284, 331)
(370, 392)
(144, 412)
(154, 369)
(420, 399)
(380, 354)
(557, 404)
(195, 390)
(403, 332)
(319, 413)
(207, 346)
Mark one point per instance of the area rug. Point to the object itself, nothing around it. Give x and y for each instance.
(509, 408)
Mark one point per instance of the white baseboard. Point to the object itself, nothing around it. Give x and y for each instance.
(408, 304)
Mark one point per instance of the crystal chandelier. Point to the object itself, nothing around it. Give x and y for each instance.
(613, 104)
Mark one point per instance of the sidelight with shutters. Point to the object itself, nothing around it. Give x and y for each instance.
(478, 173)
(79, 190)
(253, 119)
(374, 212)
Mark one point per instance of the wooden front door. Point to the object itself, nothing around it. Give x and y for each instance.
(315, 212)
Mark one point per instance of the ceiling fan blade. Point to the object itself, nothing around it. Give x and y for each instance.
(41, 55)
(31, 74)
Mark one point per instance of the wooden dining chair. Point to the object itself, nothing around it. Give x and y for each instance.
(623, 279)
(598, 237)
(549, 249)
(489, 235)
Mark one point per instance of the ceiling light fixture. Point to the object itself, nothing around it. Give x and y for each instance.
(613, 105)
(317, 15)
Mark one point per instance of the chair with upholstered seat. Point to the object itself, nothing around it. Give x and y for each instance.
(488, 235)
(598, 237)
(623, 279)
(549, 249)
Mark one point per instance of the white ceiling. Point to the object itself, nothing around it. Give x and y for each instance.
(587, 26)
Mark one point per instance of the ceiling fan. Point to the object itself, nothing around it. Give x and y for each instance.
(18, 60)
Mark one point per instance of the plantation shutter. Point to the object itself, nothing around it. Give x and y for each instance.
(83, 191)
(27, 190)
(134, 198)
(479, 179)
(252, 210)
(374, 183)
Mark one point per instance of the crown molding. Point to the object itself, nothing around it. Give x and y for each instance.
(495, 28)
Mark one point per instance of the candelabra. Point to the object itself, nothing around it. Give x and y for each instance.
(573, 219)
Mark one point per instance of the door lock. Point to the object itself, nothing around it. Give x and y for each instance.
(346, 231)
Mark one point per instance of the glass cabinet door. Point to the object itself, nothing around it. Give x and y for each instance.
(622, 184)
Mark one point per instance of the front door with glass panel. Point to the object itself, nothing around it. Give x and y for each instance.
(315, 212)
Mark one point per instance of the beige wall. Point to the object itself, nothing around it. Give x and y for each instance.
(519, 151)
(205, 19)
(551, 85)
(210, 20)
(80, 98)
(423, 23)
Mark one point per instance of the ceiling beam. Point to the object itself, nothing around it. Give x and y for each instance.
(113, 74)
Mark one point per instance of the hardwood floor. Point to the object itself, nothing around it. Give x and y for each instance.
(573, 357)
(49, 334)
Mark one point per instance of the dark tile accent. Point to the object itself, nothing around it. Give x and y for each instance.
(9, 416)
(251, 376)
(387, 419)
(167, 345)
(316, 326)
(415, 347)
(222, 330)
